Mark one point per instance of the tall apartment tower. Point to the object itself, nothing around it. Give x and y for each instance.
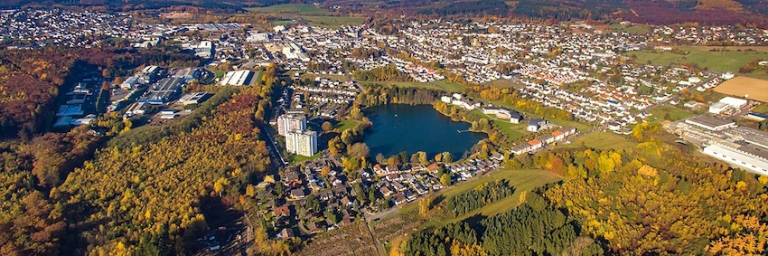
(301, 142)
(287, 123)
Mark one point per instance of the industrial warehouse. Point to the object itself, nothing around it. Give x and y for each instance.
(238, 78)
(743, 147)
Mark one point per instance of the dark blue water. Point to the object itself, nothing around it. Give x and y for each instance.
(398, 127)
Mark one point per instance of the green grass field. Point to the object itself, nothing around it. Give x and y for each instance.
(717, 61)
(332, 21)
(295, 159)
(282, 22)
(450, 86)
(304, 9)
(513, 131)
(219, 73)
(643, 29)
(346, 124)
(762, 109)
(675, 113)
(657, 58)
(602, 140)
(522, 180)
(503, 84)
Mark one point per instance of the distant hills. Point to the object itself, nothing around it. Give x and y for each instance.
(710, 12)
(128, 4)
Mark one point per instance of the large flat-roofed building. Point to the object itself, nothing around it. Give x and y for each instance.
(289, 122)
(187, 73)
(205, 49)
(238, 78)
(301, 142)
(743, 155)
(710, 123)
(734, 102)
(195, 98)
(165, 90)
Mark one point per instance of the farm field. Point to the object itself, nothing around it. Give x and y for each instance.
(728, 61)
(602, 140)
(304, 9)
(730, 48)
(757, 89)
(310, 13)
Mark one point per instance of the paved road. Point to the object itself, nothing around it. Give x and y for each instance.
(273, 144)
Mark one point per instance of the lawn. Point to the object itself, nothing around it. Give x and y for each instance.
(258, 78)
(513, 131)
(346, 124)
(295, 159)
(522, 180)
(603, 141)
(332, 21)
(303, 9)
(675, 113)
(219, 73)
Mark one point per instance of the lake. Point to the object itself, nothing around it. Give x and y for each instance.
(399, 127)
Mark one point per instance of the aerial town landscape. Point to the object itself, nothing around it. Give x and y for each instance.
(339, 127)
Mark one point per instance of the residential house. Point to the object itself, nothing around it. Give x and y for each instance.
(286, 234)
(398, 199)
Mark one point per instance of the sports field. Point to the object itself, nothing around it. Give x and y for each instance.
(755, 89)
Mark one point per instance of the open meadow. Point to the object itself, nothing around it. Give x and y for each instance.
(602, 141)
(728, 61)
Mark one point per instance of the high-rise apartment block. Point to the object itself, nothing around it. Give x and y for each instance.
(301, 143)
(286, 123)
(298, 140)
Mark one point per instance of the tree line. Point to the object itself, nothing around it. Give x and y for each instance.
(481, 195)
(533, 228)
(382, 74)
